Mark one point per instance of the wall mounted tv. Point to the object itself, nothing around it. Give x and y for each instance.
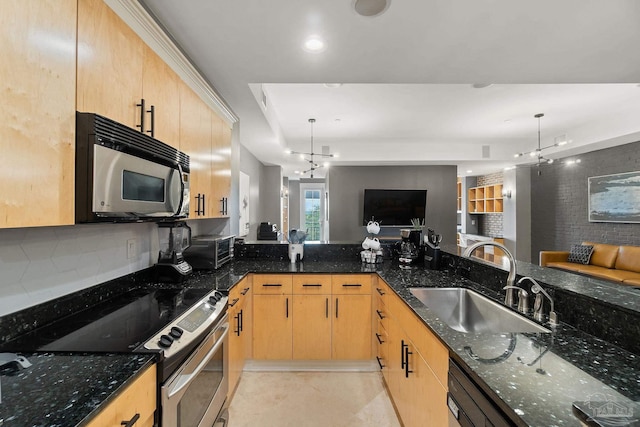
(394, 207)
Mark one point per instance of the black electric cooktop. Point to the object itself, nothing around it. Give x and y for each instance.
(121, 324)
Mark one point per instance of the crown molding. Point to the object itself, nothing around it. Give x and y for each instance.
(140, 21)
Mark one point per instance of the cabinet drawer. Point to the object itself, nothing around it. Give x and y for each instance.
(343, 284)
(272, 284)
(139, 398)
(312, 284)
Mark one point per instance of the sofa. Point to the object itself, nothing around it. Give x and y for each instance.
(610, 262)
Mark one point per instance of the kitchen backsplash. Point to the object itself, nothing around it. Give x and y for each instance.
(39, 264)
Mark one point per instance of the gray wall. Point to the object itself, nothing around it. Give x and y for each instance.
(294, 204)
(516, 217)
(270, 196)
(255, 169)
(346, 192)
(559, 204)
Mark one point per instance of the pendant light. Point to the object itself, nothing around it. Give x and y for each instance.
(309, 157)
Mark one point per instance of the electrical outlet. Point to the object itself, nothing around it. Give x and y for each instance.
(473, 222)
(132, 248)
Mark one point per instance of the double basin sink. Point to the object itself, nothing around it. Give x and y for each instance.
(467, 311)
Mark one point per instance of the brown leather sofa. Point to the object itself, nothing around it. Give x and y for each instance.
(617, 263)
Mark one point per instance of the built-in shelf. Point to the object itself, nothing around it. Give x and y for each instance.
(459, 195)
(485, 199)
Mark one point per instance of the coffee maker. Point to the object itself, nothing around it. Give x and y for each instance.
(433, 254)
(409, 249)
(174, 238)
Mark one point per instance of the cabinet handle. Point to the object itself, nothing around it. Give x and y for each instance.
(234, 302)
(380, 314)
(380, 291)
(312, 285)
(152, 114)
(142, 113)
(380, 363)
(204, 209)
(405, 359)
(379, 339)
(237, 318)
(287, 307)
(351, 285)
(326, 308)
(222, 206)
(131, 422)
(241, 321)
(336, 308)
(402, 361)
(244, 291)
(271, 285)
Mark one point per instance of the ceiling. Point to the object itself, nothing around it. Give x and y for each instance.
(409, 77)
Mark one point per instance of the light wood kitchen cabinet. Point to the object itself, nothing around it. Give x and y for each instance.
(161, 92)
(195, 140)
(221, 166)
(272, 317)
(240, 330)
(117, 70)
(417, 368)
(37, 135)
(351, 310)
(311, 316)
(138, 399)
(110, 58)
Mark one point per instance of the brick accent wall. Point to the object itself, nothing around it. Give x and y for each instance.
(559, 201)
(490, 223)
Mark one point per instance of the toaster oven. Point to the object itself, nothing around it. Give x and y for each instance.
(209, 252)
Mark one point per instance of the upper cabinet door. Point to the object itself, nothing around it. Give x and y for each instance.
(110, 58)
(221, 165)
(160, 90)
(37, 112)
(195, 140)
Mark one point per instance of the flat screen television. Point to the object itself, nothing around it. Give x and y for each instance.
(394, 207)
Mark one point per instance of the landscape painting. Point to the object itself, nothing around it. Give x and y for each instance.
(615, 198)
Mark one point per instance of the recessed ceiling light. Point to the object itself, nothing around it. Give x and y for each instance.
(332, 85)
(371, 8)
(469, 171)
(481, 85)
(314, 44)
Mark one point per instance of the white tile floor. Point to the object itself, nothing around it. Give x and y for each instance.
(309, 399)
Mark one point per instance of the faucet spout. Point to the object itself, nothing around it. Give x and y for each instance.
(511, 278)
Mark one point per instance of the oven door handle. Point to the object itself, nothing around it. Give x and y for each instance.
(185, 380)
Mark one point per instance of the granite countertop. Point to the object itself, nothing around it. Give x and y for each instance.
(65, 389)
(540, 380)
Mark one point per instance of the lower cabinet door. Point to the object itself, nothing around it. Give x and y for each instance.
(311, 327)
(351, 327)
(272, 327)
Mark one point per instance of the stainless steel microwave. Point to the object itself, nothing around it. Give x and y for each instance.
(209, 252)
(125, 175)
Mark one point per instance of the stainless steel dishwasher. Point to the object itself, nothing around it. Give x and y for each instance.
(468, 405)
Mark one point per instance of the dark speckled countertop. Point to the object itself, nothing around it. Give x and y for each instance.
(537, 385)
(546, 372)
(65, 389)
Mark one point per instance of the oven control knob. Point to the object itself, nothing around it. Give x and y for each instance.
(175, 332)
(165, 341)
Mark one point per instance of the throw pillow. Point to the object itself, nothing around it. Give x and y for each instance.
(580, 254)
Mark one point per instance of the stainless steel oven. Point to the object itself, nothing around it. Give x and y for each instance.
(195, 393)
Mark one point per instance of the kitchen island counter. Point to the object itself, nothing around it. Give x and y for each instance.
(65, 389)
(543, 375)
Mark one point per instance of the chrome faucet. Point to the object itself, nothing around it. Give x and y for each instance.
(538, 312)
(511, 278)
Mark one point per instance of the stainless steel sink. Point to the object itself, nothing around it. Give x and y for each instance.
(467, 311)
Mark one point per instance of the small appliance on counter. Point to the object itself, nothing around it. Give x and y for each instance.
(267, 231)
(210, 252)
(432, 252)
(408, 250)
(174, 238)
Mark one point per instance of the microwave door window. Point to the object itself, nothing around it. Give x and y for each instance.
(140, 187)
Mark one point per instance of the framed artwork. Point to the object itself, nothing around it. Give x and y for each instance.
(615, 198)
